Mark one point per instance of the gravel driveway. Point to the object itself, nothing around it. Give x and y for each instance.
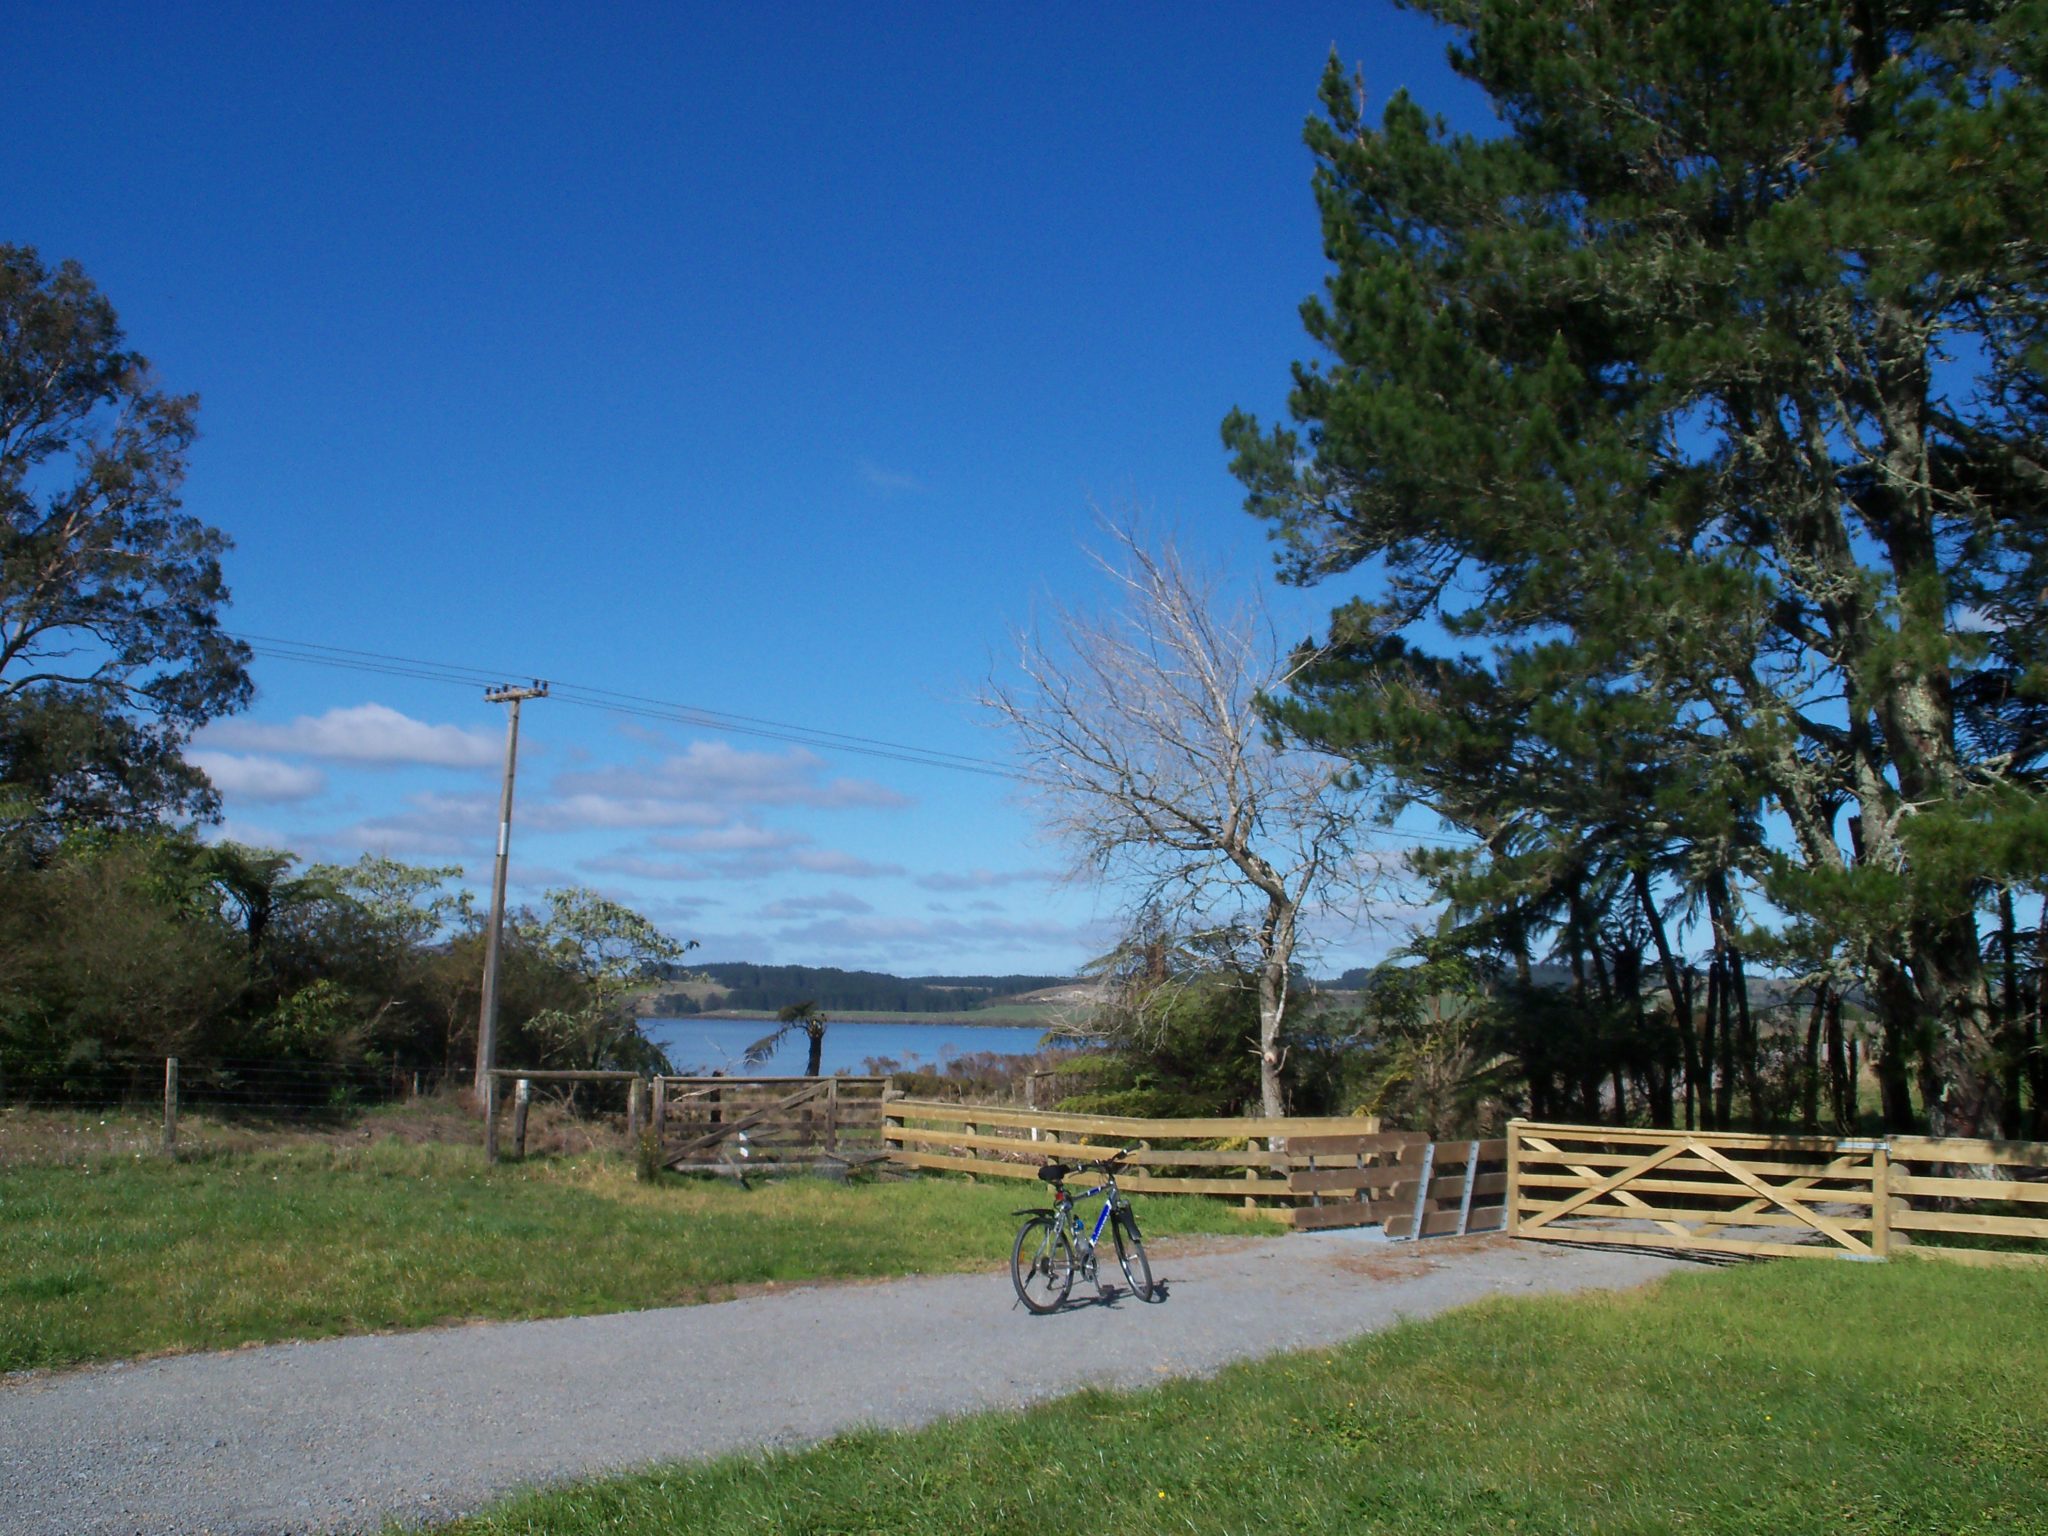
(342, 1434)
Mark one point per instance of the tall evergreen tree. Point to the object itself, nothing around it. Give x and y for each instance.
(1711, 392)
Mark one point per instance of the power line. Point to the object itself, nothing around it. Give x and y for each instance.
(613, 701)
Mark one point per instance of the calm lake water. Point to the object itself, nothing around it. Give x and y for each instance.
(699, 1046)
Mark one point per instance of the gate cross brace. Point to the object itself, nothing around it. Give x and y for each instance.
(1771, 1193)
(1622, 1196)
(1609, 1185)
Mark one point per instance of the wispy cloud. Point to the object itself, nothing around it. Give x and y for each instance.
(364, 733)
(813, 906)
(893, 481)
(987, 879)
(831, 861)
(258, 778)
(641, 868)
(715, 773)
(741, 837)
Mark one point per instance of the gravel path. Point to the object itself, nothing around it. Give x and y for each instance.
(342, 1434)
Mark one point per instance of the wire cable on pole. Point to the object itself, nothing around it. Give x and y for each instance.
(640, 706)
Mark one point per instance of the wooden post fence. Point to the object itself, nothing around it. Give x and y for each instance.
(522, 1099)
(170, 1105)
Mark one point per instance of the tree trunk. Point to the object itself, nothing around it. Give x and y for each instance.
(1841, 1072)
(817, 1038)
(1680, 993)
(1809, 1075)
(2012, 1021)
(1276, 960)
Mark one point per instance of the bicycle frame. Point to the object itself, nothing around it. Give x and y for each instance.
(1069, 1209)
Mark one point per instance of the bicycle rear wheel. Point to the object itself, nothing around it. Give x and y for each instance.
(1042, 1264)
(1130, 1253)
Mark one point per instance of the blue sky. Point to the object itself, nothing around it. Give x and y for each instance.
(765, 360)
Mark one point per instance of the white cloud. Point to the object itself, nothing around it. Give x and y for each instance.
(715, 773)
(812, 906)
(366, 733)
(641, 868)
(258, 778)
(987, 879)
(830, 861)
(741, 837)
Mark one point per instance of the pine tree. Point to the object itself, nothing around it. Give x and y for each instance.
(1711, 391)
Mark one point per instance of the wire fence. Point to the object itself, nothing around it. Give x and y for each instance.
(233, 1086)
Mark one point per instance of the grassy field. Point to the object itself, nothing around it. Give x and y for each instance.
(104, 1256)
(1796, 1398)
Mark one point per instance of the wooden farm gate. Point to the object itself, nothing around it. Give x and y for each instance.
(1778, 1196)
(704, 1123)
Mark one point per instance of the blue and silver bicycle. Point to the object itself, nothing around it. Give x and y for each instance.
(1053, 1246)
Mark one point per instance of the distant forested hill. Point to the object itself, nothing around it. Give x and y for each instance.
(765, 988)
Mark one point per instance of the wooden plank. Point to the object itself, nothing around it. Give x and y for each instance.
(563, 1077)
(1602, 1238)
(1933, 1149)
(1354, 1146)
(1725, 1140)
(1308, 1181)
(1127, 1125)
(1979, 1258)
(1971, 1221)
(1721, 1189)
(1534, 1158)
(1137, 1184)
(1044, 1151)
(1706, 1223)
(874, 1084)
(1453, 1154)
(1970, 1189)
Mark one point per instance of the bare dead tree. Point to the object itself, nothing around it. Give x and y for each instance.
(1141, 730)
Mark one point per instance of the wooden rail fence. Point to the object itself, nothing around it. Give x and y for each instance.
(1328, 1171)
(1778, 1196)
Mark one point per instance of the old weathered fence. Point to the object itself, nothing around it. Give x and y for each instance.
(702, 1123)
(517, 1084)
(1777, 1196)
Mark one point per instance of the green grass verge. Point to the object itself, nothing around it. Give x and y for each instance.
(115, 1257)
(1796, 1398)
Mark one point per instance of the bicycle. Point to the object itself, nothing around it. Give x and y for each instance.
(1052, 1246)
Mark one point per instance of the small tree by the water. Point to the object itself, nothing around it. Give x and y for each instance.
(806, 1016)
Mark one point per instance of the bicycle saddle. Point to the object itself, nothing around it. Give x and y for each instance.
(1052, 1173)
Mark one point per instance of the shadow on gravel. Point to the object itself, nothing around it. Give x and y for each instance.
(1113, 1298)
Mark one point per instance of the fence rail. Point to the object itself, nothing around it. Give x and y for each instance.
(1779, 1196)
(1011, 1143)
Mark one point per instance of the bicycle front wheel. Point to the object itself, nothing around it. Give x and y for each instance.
(1130, 1253)
(1042, 1264)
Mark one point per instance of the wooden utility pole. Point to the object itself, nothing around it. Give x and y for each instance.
(487, 1015)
